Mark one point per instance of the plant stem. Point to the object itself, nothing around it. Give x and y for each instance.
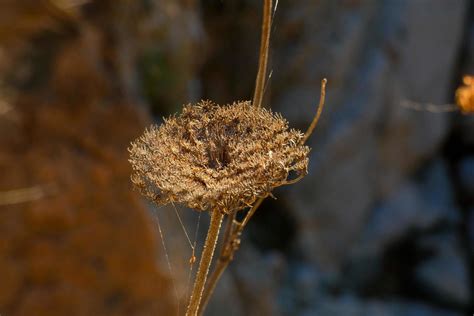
(263, 55)
(221, 265)
(234, 229)
(230, 244)
(205, 263)
(315, 121)
(222, 262)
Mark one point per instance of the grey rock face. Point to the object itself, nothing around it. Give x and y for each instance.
(368, 144)
(417, 206)
(466, 175)
(470, 229)
(445, 275)
(352, 306)
(251, 286)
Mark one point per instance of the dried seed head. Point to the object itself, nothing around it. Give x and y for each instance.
(217, 156)
(465, 95)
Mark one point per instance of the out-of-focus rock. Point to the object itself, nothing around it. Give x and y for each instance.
(74, 238)
(445, 275)
(71, 251)
(470, 229)
(367, 143)
(349, 305)
(226, 299)
(465, 171)
(256, 278)
(169, 63)
(415, 207)
(251, 284)
(304, 285)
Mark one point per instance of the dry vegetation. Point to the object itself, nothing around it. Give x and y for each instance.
(221, 159)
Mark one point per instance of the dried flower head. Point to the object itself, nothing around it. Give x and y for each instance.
(465, 95)
(217, 156)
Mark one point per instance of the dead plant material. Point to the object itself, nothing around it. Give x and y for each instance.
(465, 95)
(217, 156)
(221, 159)
(464, 98)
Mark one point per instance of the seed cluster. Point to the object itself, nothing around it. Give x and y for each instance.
(217, 156)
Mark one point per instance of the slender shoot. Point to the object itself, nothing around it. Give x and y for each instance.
(315, 121)
(263, 55)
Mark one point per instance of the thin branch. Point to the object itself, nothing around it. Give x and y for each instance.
(428, 107)
(263, 54)
(228, 229)
(315, 121)
(251, 212)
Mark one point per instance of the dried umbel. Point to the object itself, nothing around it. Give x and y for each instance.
(465, 95)
(217, 157)
(221, 159)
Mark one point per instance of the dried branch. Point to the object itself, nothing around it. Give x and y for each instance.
(263, 55)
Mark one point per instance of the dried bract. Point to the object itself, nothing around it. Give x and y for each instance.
(217, 156)
(465, 95)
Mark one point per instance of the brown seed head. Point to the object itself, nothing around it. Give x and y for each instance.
(217, 156)
(465, 95)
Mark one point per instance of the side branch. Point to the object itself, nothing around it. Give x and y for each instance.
(315, 121)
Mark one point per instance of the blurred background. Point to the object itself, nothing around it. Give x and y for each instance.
(382, 225)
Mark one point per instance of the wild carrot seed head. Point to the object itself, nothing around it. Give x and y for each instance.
(217, 156)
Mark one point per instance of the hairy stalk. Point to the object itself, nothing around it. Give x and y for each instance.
(233, 233)
(205, 263)
(222, 262)
(263, 55)
(221, 265)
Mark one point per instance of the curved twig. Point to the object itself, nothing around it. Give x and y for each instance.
(315, 121)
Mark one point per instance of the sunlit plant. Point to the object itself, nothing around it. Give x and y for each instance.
(221, 159)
